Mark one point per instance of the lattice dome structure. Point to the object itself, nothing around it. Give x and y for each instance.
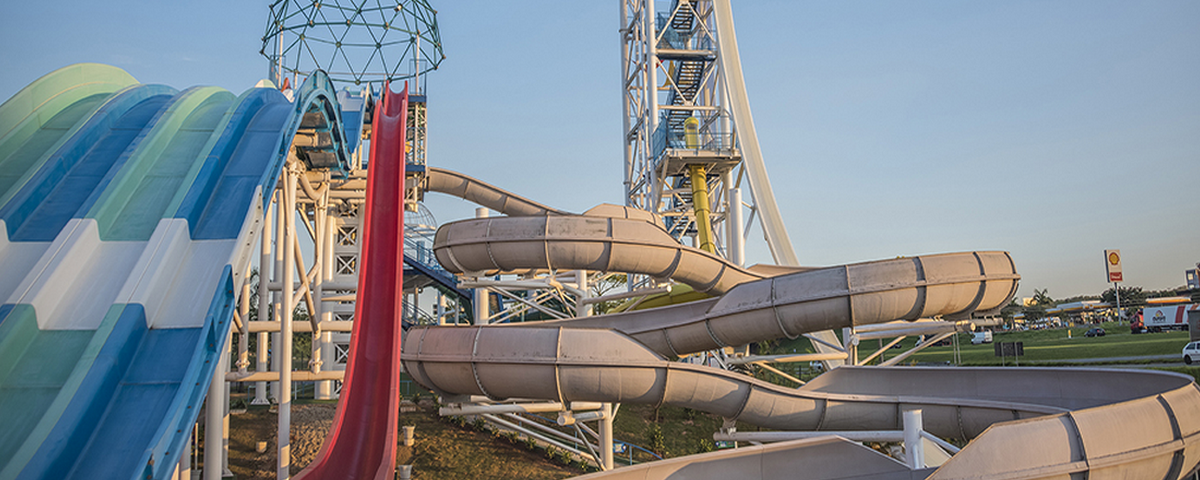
(354, 41)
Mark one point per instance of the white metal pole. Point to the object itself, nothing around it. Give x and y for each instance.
(276, 295)
(584, 309)
(225, 472)
(285, 350)
(321, 211)
(735, 228)
(243, 362)
(264, 295)
(479, 297)
(416, 86)
(629, 167)
(183, 470)
(329, 350)
(1117, 292)
(214, 417)
(651, 66)
(606, 436)
(914, 448)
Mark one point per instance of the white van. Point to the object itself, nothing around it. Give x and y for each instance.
(986, 337)
(1191, 353)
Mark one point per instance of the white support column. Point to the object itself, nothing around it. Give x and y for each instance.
(243, 362)
(183, 471)
(914, 447)
(321, 210)
(479, 297)
(214, 417)
(583, 309)
(850, 343)
(648, 29)
(606, 436)
(324, 389)
(651, 66)
(264, 296)
(735, 237)
(225, 472)
(276, 295)
(606, 411)
(285, 347)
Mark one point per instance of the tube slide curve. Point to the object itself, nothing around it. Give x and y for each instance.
(1055, 417)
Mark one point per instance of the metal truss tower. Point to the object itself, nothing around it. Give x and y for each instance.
(687, 122)
(689, 134)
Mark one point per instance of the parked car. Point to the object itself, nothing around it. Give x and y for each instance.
(1095, 332)
(1191, 352)
(981, 337)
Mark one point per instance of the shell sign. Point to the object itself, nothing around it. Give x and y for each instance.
(1112, 264)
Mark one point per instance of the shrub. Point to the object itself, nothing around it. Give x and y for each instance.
(658, 443)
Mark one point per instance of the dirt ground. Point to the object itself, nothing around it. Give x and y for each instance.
(443, 451)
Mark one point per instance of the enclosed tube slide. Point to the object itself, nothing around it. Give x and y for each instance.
(127, 215)
(362, 440)
(624, 357)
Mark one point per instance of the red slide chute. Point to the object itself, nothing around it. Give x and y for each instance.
(362, 441)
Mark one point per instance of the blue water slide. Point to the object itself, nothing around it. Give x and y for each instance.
(136, 227)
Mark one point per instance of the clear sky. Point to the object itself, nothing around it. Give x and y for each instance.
(1050, 129)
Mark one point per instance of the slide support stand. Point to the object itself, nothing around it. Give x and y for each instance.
(734, 228)
(264, 295)
(606, 436)
(281, 214)
(214, 419)
(479, 297)
(285, 328)
(606, 410)
(914, 446)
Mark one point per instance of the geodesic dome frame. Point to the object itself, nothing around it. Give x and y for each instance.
(357, 41)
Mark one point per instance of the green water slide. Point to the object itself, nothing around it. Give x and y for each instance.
(39, 118)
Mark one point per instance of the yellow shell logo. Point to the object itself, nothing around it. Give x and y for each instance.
(1113, 258)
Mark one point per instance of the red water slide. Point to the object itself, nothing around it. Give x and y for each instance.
(362, 441)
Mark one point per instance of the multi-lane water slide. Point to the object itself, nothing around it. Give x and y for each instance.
(127, 214)
(1025, 423)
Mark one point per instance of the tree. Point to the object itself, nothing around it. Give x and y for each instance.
(1042, 298)
(606, 285)
(1036, 310)
(1014, 307)
(1130, 297)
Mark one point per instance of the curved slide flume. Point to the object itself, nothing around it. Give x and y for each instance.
(362, 440)
(124, 232)
(623, 357)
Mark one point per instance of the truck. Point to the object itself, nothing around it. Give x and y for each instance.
(1157, 319)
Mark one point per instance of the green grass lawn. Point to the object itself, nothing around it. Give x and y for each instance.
(1040, 346)
(1056, 345)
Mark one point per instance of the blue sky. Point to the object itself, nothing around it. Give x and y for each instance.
(1050, 129)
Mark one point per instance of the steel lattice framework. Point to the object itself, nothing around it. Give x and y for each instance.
(677, 69)
(362, 41)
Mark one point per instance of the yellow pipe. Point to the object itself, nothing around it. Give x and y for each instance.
(691, 132)
(700, 206)
(691, 135)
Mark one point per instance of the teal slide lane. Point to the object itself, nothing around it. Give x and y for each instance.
(39, 117)
(117, 399)
(53, 194)
(131, 207)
